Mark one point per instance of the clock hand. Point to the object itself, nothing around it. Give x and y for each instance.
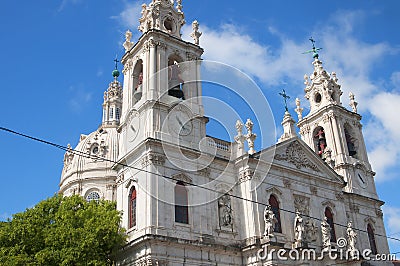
(362, 180)
(133, 129)
(179, 121)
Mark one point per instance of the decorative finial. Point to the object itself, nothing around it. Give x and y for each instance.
(196, 33)
(239, 127)
(314, 50)
(115, 72)
(285, 97)
(353, 104)
(250, 136)
(179, 6)
(299, 110)
(239, 138)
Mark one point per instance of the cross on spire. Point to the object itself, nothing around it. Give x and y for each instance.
(285, 98)
(116, 61)
(313, 42)
(314, 50)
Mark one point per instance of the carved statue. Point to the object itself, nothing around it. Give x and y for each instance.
(299, 110)
(327, 157)
(270, 220)
(351, 239)
(298, 230)
(239, 138)
(250, 136)
(128, 44)
(196, 34)
(353, 104)
(326, 234)
(225, 210)
(68, 156)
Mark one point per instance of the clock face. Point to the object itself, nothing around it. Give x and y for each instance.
(133, 128)
(362, 179)
(180, 122)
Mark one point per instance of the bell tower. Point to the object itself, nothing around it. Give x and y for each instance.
(334, 132)
(161, 71)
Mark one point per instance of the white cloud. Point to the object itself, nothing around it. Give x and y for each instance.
(382, 134)
(395, 79)
(392, 221)
(79, 98)
(230, 45)
(64, 3)
(352, 59)
(130, 14)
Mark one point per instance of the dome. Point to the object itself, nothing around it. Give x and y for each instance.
(87, 168)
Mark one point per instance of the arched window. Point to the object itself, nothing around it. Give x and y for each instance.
(371, 237)
(93, 196)
(319, 140)
(329, 216)
(350, 141)
(175, 80)
(181, 203)
(132, 208)
(275, 208)
(111, 113)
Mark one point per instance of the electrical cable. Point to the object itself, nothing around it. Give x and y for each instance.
(84, 154)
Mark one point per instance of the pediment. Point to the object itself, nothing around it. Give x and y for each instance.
(295, 154)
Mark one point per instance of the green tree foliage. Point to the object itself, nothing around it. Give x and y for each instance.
(62, 231)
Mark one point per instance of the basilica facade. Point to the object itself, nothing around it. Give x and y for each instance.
(187, 198)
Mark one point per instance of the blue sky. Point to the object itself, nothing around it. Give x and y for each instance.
(57, 61)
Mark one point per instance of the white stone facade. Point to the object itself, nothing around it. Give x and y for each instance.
(159, 139)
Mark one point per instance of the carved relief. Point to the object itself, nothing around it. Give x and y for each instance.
(246, 175)
(305, 130)
(111, 186)
(314, 190)
(153, 158)
(68, 156)
(191, 57)
(302, 204)
(182, 177)
(354, 208)
(287, 183)
(295, 155)
(97, 148)
(120, 179)
(340, 196)
(204, 172)
(311, 230)
(127, 66)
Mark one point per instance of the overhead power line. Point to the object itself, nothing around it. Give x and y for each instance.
(84, 154)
